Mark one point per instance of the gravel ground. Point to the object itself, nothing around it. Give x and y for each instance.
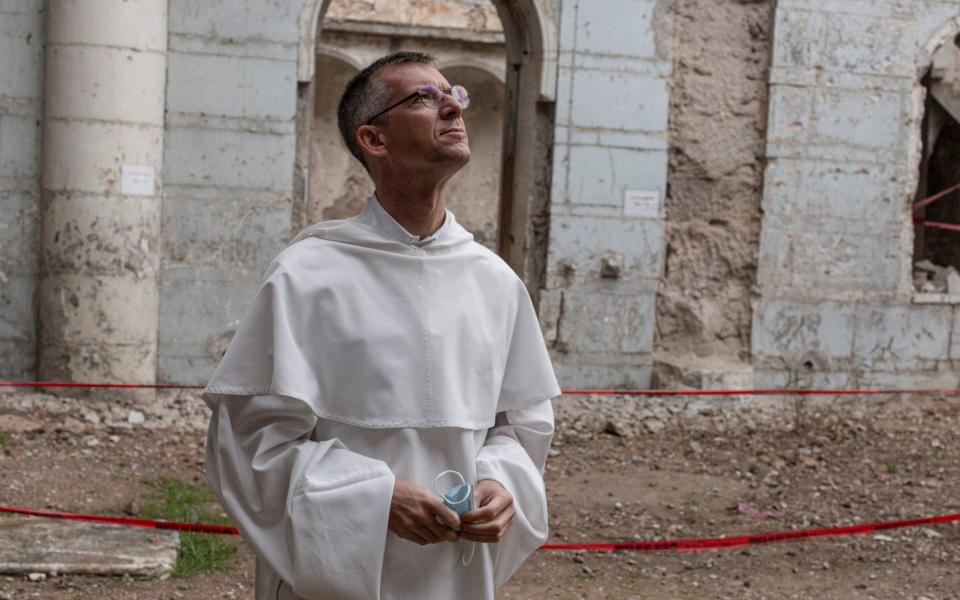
(621, 469)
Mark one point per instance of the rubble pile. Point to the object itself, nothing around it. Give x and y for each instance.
(935, 279)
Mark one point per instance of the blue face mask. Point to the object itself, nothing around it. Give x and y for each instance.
(459, 498)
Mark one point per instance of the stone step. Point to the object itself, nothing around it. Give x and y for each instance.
(29, 545)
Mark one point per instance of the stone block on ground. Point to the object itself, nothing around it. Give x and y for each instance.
(72, 547)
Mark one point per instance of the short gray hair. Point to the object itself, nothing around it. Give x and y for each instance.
(364, 96)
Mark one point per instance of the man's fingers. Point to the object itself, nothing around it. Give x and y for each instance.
(489, 512)
(439, 532)
(490, 532)
(490, 527)
(414, 512)
(448, 516)
(412, 535)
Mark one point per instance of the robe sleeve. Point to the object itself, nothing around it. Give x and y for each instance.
(528, 376)
(315, 511)
(514, 454)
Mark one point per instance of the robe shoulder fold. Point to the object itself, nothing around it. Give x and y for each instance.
(375, 333)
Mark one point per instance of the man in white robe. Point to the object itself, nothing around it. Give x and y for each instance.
(378, 352)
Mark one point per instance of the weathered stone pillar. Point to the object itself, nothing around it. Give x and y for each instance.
(102, 155)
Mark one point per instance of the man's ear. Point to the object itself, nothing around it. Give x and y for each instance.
(371, 141)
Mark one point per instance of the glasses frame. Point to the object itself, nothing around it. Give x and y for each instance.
(419, 93)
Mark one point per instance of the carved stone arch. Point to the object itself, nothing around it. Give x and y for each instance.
(459, 62)
(531, 35)
(338, 54)
(530, 31)
(944, 34)
(338, 184)
(310, 13)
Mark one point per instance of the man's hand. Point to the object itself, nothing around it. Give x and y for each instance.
(420, 516)
(489, 521)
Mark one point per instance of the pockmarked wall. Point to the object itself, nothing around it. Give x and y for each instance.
(721, 55)
(229, 153)
(645, 230)
(21, 114)
(605, 255)
(837, 305)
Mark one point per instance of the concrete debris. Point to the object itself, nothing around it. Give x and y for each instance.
(653, 425)
(696, 372)
(953, 281)
(169, 409)
(19, 424)
(618, 428)
(38, 547)
(935, 279)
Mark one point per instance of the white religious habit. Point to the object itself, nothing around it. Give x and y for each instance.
(367, 354)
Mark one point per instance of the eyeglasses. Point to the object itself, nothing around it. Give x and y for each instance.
(432, 97)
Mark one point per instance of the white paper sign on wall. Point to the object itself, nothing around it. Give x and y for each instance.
(137, 180)
(641, 203)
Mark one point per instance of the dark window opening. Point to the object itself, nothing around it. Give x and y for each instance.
(936, 211)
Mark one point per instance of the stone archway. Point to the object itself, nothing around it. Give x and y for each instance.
(474, 195)
(337, 190)
(530, 35)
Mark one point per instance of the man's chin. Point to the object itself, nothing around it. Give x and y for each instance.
(458, 155)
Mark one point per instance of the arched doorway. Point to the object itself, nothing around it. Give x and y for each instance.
(338, 188)
(529, 31)
(474, 195)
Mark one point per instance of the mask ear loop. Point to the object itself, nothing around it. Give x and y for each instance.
(464, 559)
(436, 481)
(467, 555)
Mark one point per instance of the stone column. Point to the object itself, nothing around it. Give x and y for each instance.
(102, 155)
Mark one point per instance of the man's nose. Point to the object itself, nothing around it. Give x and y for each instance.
(450, 109)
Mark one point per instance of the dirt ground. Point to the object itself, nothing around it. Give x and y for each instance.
(680, 477)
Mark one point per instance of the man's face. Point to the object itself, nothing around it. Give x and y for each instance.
(417, 136)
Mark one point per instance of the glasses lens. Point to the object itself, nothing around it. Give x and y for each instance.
(460, 94)
(431, 96)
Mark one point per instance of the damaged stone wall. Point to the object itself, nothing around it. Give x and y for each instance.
(21, 113)
(480, 15)
(605, 254)
(718, 115)
(837, 304)
(229, 161)
(338, 182)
